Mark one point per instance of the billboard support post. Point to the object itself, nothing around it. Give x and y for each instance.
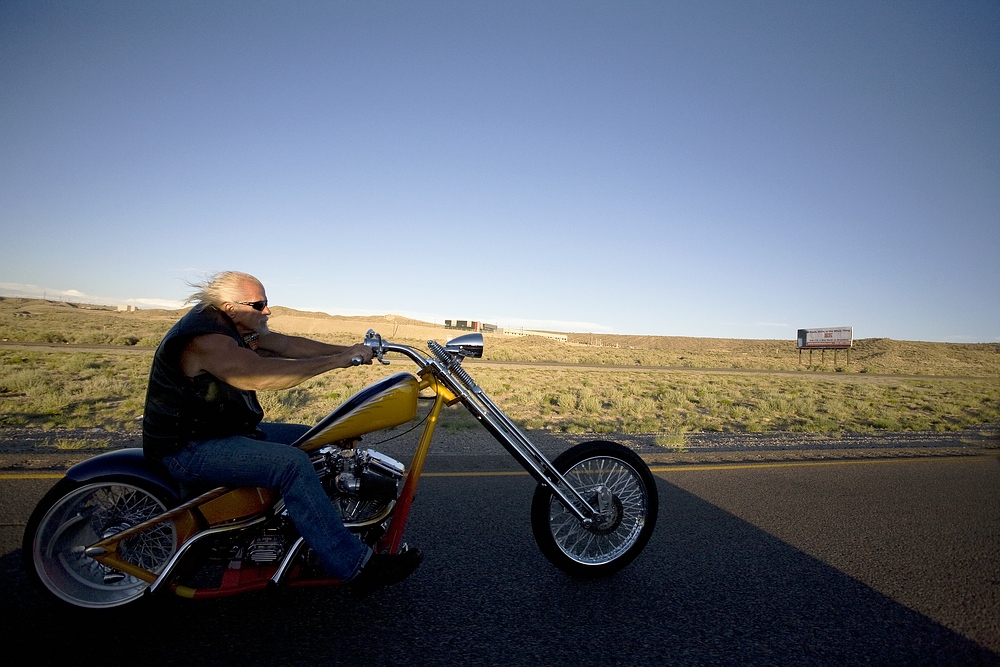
(833, 338)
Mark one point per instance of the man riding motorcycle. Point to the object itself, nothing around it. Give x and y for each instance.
(203, 421)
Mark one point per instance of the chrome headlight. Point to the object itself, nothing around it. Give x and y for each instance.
(469, 345)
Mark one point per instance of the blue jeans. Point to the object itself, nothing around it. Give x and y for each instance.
(272, 464)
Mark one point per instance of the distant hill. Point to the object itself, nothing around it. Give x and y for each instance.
(36, 320)
(282, 311)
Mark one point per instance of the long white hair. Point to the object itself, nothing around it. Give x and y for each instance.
(221, 287)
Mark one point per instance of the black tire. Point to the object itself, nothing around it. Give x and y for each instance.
(616, 538)
(73, 515)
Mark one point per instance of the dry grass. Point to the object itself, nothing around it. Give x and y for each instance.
(34, 320)
(678, 402)
(958, 387)
(72, 390)
(66, 389)
(870, 355)
(74, 444)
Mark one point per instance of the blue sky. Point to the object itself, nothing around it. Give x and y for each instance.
(724, 169)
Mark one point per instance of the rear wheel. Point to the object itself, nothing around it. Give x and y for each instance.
(617, 483)
(73, 516)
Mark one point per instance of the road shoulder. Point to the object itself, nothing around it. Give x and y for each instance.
(23, 449)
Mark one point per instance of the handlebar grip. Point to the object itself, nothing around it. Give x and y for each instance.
(356, 360)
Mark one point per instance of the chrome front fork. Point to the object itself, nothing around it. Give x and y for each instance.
(516, 442)
(448, 369)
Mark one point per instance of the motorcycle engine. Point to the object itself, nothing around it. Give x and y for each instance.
(363, 482)
(266, 548)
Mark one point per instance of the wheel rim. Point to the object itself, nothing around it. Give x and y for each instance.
(615, 531)
(85, 516)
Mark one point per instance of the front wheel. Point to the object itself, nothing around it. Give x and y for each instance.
(615, 482)
(73, 516)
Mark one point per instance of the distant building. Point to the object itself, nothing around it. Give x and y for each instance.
(122, 308)
(470, 325)
(542, 334)
(473, 325)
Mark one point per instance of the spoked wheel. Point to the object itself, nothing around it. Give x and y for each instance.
(615, 482)
(72, 517)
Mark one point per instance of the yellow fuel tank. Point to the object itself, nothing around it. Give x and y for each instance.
(389, 402)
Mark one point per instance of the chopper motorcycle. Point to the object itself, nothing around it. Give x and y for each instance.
(118, 528)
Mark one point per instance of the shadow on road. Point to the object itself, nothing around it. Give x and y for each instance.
(709, 589)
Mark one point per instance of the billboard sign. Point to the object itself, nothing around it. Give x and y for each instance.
(832, 338)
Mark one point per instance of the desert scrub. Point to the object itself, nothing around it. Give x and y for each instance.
(34, 320)
(76, 389)
(689, 402)
(45, 321)
(312, 400)
(73, 444)
(69, 389)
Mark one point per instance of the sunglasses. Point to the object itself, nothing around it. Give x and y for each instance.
(256, 305)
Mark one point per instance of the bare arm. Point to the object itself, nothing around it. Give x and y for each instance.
(221, 356)
(296, 347)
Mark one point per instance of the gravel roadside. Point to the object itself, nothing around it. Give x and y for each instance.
(24, 449)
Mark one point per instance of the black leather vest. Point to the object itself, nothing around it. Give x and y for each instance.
(180, 409)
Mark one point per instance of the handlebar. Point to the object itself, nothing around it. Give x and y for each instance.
(380, 347)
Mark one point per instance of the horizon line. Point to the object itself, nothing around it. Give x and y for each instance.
(27, 291)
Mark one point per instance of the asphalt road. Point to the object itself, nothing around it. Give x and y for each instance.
(849, 563)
